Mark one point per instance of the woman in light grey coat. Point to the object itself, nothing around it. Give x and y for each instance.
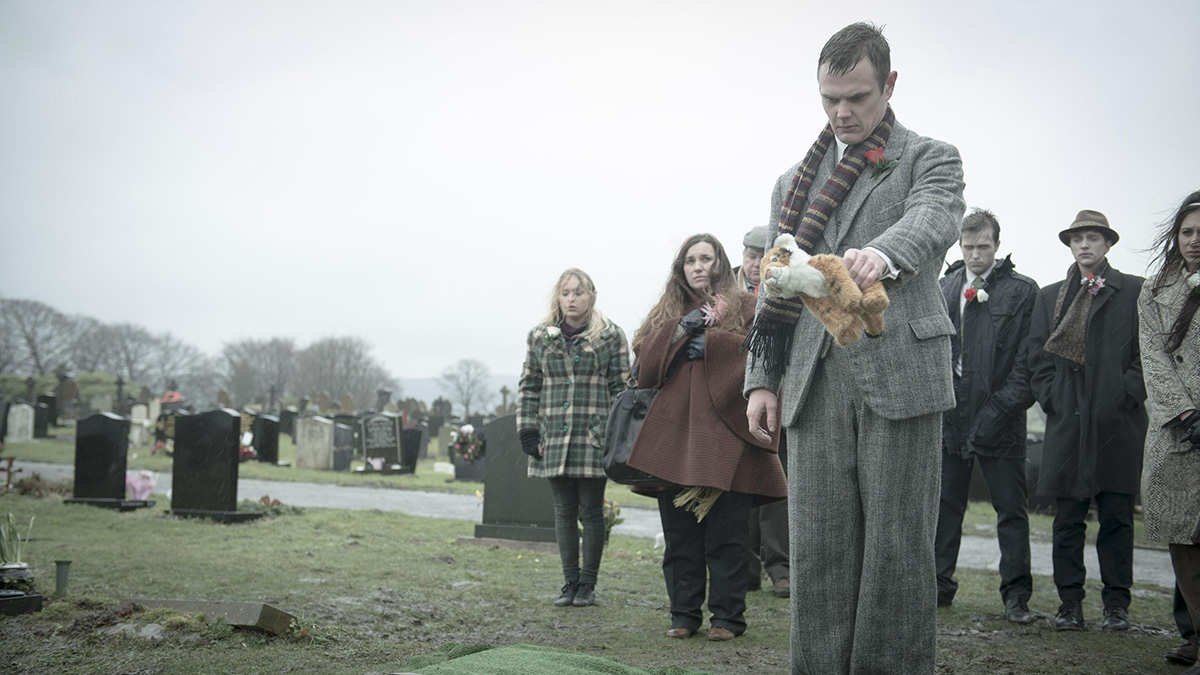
(1170, 346)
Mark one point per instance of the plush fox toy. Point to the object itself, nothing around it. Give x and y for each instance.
(823, 283)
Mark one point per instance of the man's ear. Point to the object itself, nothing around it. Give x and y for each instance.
(889, 85)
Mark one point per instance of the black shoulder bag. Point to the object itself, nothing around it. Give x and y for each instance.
(624, 422)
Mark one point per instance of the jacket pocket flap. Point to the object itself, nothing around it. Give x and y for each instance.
(932, 326)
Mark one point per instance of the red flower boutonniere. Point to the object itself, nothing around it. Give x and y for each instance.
(1093, 283)
(977, 295)
(878, 163)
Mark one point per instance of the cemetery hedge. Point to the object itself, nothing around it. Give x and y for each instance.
(372, 590)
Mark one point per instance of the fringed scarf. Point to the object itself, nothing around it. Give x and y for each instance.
(775, 324)
(1069, 337)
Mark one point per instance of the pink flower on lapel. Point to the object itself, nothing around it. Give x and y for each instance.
(878, 163)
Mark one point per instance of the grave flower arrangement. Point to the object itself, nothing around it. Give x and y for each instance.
(14, 571)
(466, 444)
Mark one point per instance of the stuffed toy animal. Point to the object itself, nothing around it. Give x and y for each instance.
(824, 285)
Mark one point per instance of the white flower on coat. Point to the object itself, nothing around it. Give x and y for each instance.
(553, 331)
(981, 295)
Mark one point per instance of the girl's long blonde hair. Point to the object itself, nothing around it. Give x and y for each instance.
(678, 298)
(597, 323)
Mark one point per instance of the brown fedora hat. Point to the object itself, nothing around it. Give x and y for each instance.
(1090, 220)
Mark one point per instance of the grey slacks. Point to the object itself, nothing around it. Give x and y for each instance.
(863, 500)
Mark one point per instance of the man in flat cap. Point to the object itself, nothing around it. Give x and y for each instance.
(754, 244)
(1086, 373)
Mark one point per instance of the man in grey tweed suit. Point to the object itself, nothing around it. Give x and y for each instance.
(864, 421)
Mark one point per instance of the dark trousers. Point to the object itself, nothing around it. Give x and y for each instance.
(579, 500)
(1179, 609)
(769, 535)
(1006, 482)
(1114, 547)
(719, 544)
(1185, 558)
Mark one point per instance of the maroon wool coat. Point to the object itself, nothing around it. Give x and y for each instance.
(696, 433)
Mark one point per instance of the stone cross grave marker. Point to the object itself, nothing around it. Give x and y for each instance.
(515, 506)
(20, 423)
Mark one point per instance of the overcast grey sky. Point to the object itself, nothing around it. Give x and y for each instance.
(419, 173)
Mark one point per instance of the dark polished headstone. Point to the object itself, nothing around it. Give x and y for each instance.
(381, 435)
(412, 446)
(266, 438)
(3, 418)
(421, 438)
(287, 423)
(515, 506)
(41, 421)
(205, 473)
(101, 447)
(345, 433)
(436, 422)
(51, 402)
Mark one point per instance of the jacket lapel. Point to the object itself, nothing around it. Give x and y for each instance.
(866, 184)
(1112, 284)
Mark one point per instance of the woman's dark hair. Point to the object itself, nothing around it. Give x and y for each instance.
(1170, 261)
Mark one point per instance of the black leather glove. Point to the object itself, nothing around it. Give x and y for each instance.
(529, 442)
(693, 321)
(1191, 429)
(695, 347)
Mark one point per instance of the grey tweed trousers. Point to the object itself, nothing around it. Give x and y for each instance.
(863, 501)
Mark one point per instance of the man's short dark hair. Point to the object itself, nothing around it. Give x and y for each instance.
(849, 45)
(979, 219)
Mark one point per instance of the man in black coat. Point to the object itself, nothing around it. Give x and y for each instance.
(991, 307)
(1086, 372)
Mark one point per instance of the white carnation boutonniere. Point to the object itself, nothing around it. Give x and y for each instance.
(552, 333)
(1193, 280)
(981, 296)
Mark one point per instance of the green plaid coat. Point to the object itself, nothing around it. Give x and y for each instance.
(567, 396)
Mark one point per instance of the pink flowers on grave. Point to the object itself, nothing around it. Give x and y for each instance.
(139, 485)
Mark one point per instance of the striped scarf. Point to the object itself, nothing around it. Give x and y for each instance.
(775, 324)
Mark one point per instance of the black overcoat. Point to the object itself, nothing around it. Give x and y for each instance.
(993, 392)
(1096, 413)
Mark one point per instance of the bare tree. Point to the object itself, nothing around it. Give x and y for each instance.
(90, 350)
(173, 359)
(258, 365)
(131, 349)
(342, 365)
(9, 347)
(43, 335)
(467, 382)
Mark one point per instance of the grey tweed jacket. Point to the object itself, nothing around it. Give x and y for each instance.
(911, 213)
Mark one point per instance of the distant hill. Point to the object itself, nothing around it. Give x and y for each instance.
(428, 389)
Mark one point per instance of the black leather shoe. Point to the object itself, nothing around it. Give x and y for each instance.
(1017, 611)
(1184, 654)
(585, 595)
(1070, 616)
(1115, 618)
(568, 594)
(945, 599)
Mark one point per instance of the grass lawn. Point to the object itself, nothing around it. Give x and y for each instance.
(373, 589)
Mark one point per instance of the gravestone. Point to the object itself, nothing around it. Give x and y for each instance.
(266, 439)
(345, 433)
(51, 402)
(323, 403)
(138, 415)
(436, 422)
(515, 506)
(417, 437)
(20, 423)
(287, 422)
(380, 435)
(4, 405)
(101, 446)
(101, 402)
(205, 472)
(223, 399)
(41, 421)
(443, 436)
(154, 409)
(314, 443)
(346, 406)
